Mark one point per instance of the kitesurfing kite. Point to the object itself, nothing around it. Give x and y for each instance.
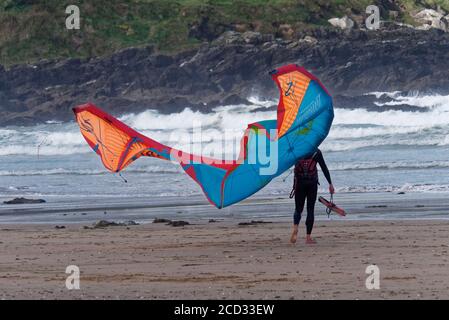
(304, 118)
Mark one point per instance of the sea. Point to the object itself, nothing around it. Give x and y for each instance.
(380, 150)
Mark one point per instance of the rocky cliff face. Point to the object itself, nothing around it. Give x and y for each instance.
(226, 71)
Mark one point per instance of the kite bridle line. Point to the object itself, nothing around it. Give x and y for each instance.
(123, 178)
(87, 126)
(288, 175)
(40, 144)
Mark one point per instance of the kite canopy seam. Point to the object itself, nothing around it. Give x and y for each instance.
(304, 117)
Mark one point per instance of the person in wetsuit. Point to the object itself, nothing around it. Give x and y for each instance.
(305, 186)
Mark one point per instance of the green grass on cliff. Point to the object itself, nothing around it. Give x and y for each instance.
(31, 30)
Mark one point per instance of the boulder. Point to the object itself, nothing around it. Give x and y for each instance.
(104, 224)
(252, 37)
(253, 223)
(158, 220)
(229, 37)
(429, 18)
(24, 201)
(286, 31)
(131, 223)
(309, 40)
(179, 223)
(342, 23)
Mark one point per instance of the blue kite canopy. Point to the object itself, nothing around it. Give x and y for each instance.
(268, 148)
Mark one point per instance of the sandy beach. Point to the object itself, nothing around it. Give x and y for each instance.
(223, 260)
(148, 151)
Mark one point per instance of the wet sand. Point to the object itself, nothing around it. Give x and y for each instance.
(360, 206)
(225, 261)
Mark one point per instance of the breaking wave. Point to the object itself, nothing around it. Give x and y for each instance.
(352, 129)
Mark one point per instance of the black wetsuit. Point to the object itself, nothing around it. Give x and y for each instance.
(306, 188)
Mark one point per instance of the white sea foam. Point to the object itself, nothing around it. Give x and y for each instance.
(352, 129)
(221, 118)
(392, 118)
(371, 165)
(418, 100)
(330, 145)
(334, 166)
(445, 141)
(342, 132)
(67, 171)
(32, 150)
(379, 94)
(408, 187)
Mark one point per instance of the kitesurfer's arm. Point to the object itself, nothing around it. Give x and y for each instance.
(320, 159)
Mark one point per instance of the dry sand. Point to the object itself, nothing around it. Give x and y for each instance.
(226, 261)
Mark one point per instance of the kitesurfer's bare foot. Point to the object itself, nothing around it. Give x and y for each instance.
(294, 236)
(309, 240)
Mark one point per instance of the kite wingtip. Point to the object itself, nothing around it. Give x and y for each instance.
(296, 67)
(82, 107)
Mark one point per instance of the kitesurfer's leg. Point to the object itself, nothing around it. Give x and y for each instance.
(311, 199)
(294, 236)
(300, 199)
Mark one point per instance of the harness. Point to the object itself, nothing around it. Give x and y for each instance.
(305, 170)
